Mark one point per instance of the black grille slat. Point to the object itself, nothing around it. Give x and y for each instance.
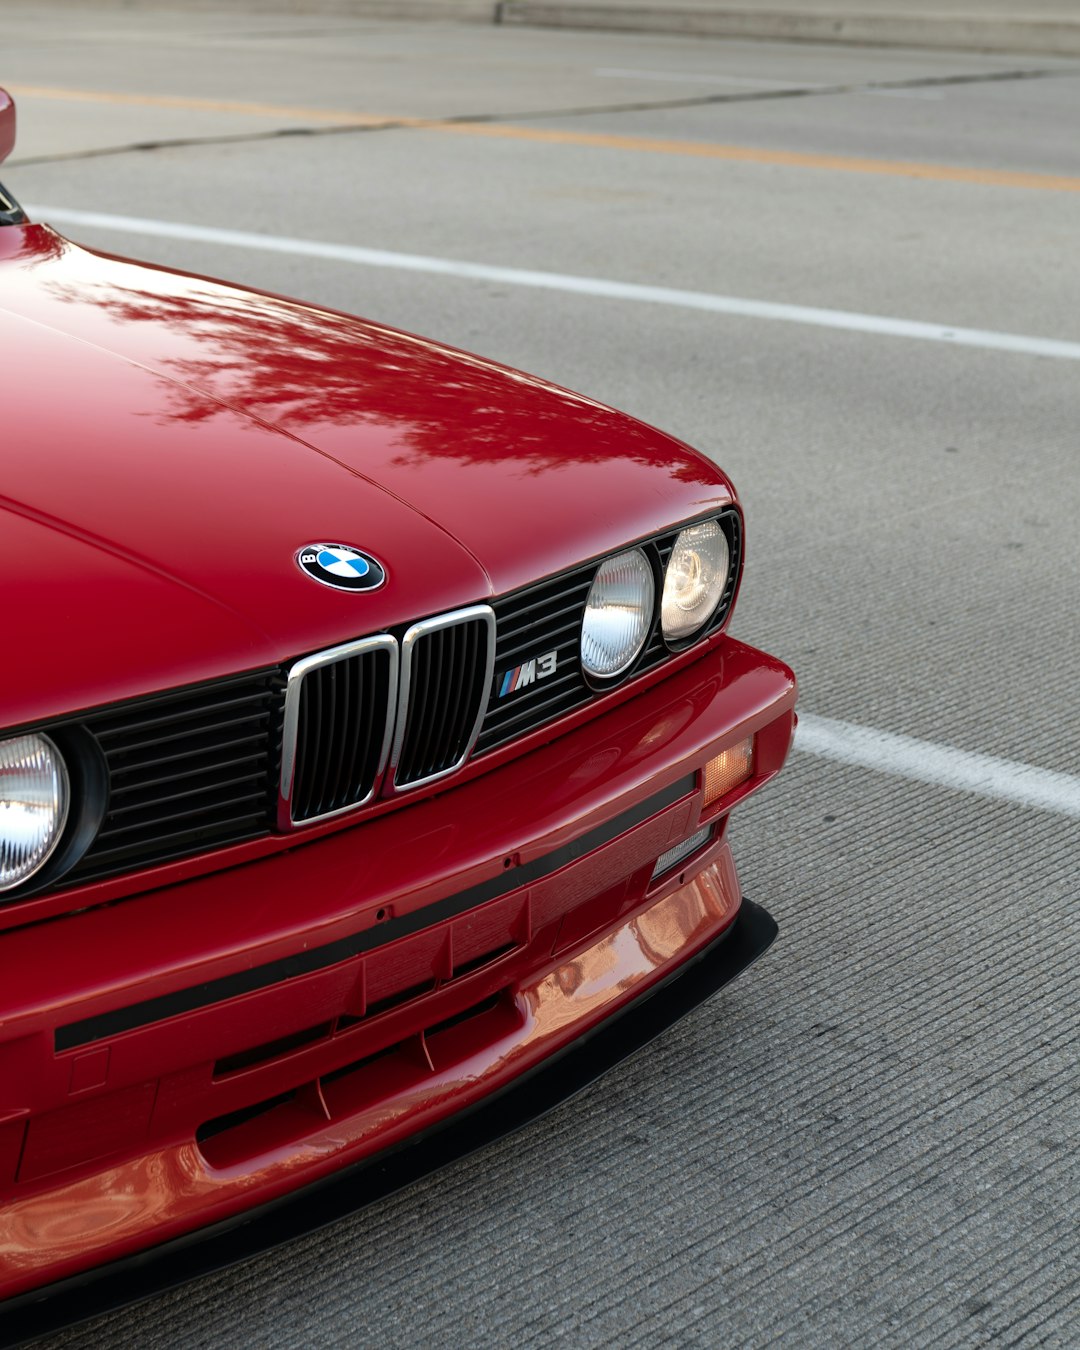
(373, 727)
(212, 803)
(341, 726)
(122, 788)
(175, 844)
(447, 681)
(257, 778)
(314, 691)
(566, 635)
(434, 707)
(182, 735)
(138, 729)
(565, 701)
(421, 717)
(186, 771)
(350, 729)
(568, 606)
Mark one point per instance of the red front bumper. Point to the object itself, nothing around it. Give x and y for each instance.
(203, 1049)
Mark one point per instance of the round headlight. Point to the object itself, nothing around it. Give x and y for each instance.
(695, 579)
(34, 795)
(618, 614)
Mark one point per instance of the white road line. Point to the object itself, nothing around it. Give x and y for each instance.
(941, 765)
(875, 324)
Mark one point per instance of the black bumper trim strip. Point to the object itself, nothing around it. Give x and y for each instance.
(91, 1029)
(527, 1098)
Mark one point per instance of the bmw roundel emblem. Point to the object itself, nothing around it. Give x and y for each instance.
(341, 566)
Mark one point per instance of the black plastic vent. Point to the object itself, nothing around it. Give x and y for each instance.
(445, 672)
(340, 734)
(187, 771)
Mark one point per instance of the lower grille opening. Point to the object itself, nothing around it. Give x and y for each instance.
(357, 1065)
(235, 1119)
(262, 1054)
(485, 959)
(477, 1010)
(354, 1087)
(382, 1005)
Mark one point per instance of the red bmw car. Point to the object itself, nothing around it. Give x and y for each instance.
(369, 729)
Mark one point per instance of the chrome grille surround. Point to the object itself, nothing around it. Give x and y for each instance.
(347, 652)
(469, 718)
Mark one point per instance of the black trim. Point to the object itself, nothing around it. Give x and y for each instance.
(550, 1083)
(11, 213)
(317, 958)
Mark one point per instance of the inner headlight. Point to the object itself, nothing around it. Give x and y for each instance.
(618, 614)
(34, 796)
(695, 579)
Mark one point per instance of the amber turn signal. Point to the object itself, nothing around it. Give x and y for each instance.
(730, 768)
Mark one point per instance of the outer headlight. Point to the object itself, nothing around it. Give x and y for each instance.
(695, 579)
(34, 796)
(618, 614)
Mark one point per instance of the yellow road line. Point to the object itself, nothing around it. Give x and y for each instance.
(792, 159)
(740, 154)
(201, 105)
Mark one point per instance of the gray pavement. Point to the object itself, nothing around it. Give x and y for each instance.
(1044, 26)
(872, 1138)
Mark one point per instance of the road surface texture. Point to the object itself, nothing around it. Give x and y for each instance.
(852, 275)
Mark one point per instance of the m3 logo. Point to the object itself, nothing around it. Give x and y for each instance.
(539, 668)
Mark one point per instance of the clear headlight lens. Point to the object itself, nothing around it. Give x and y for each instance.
(618, 614)
(696, 575)
(34, 795)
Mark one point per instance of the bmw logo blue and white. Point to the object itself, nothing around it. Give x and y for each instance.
(341, 566)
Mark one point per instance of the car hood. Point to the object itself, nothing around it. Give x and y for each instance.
(174, 441)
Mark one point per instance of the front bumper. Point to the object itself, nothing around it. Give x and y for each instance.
(527, 1098)
(379, 1000)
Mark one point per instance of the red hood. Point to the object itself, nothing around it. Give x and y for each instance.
(179, 480)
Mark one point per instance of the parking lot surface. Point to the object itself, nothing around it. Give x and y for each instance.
(851, 276)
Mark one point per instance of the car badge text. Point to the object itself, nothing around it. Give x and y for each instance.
(539, 668)
(341, 566)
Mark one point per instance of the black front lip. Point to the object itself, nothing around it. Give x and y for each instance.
(550, 1083)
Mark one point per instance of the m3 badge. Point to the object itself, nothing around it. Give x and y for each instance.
(539, 668)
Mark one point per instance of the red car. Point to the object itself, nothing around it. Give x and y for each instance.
(369, 733)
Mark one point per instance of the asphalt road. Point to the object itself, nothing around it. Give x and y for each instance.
(872, 1138)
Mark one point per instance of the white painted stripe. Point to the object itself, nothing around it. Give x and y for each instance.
(941, 765)
(558, 281)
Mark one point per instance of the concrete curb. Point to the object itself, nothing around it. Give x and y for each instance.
(1046, 37)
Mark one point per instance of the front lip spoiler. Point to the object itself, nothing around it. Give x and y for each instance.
(549, 1084)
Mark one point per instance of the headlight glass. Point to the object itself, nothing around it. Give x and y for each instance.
(34, 795)
(618, 614)
(695, 579)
